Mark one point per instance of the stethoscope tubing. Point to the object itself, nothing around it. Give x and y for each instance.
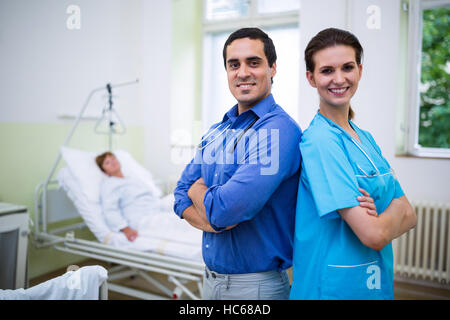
(357, 144)
(367, 156)
(201, 147)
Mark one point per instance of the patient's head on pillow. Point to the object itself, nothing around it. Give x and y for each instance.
(108, 163)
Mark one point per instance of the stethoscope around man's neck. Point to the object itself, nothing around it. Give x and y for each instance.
(225, 126)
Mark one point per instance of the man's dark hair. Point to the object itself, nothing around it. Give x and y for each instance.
(255, 34)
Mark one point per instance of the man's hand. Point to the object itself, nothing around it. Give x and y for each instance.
(131, 234)
(197, 189)
(194, 218)
(197, 193)
(196, 215)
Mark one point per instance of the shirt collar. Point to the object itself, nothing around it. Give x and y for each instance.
(260, 109)
(334, 124)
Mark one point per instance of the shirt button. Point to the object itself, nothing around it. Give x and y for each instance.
(216, 175)
(207, 246)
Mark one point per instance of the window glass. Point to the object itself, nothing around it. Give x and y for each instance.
(434, 119)
(217, 95)
(226, 9)
(218, 98)
(270, 6)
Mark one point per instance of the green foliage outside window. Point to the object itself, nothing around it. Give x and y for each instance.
(434, 130)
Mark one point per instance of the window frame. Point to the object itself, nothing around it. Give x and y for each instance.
(254, 19)
(415, 24)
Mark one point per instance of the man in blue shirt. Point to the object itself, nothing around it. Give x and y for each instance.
(241, 186)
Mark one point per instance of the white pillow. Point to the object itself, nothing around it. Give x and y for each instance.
(89, 210)
(83, 167)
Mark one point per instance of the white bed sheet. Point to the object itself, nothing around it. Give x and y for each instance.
(161, 231)
(82, 284)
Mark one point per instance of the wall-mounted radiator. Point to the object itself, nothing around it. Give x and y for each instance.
(422, 255)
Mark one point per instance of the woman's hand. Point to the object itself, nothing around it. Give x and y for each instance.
(367, 202)
(131, 234)
(377, 231)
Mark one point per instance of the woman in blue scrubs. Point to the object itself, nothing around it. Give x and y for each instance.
(341, 251)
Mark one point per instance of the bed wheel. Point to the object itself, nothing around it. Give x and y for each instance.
(177, 293)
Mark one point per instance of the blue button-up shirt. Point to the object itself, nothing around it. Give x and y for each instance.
(251, 164)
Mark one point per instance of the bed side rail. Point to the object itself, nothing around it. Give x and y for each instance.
(52, 205)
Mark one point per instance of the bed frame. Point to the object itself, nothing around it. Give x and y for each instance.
(52, 205)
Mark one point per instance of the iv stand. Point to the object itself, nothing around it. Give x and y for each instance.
(66, 141)
(110, 110)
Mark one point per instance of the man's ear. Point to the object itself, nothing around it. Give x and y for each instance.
(310, 77)
(274, 70)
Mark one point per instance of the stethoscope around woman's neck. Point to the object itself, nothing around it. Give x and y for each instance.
(332, 123)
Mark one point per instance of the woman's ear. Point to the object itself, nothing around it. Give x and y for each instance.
(310, 77)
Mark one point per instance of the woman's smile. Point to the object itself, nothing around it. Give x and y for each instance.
(338, 91)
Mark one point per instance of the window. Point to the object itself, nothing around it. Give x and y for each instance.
(429, 78)
(277, 18)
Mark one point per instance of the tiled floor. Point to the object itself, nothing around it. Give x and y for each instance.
(403, 291)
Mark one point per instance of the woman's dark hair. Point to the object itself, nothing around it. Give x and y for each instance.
(252, 33)
(328, 38)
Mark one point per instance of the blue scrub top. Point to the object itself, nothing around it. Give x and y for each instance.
(330, 262)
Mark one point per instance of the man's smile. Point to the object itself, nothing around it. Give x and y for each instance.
(246, 85)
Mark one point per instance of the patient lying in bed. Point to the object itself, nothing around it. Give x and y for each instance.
(124, 200)
(160, 230)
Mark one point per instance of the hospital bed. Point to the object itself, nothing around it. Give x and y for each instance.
(75, 192)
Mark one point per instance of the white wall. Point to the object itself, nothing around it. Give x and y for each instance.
(376, 101)
(48, 70)
(156, 72)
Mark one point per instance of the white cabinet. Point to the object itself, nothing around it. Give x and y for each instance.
(13, 246)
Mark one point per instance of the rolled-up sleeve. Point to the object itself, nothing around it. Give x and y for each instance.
(252, 185)
(191, 173)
